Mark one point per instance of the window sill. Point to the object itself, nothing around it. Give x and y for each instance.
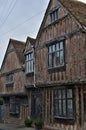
(30, 74)
(14, 113)
(9, 84)
(57, 68)
(64, 120)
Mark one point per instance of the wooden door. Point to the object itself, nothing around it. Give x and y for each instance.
(36, 107)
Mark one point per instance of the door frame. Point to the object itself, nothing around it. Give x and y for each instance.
(36, 95)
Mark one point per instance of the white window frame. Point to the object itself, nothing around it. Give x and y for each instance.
(29, 62)
(56, 55)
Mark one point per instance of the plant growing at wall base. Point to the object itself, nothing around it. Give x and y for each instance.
(28, 122)
(38, 124)
(1, 101)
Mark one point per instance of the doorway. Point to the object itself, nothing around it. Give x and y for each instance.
(36, 105)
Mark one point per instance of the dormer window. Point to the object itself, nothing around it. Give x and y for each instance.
(54, 15)
(29, 62)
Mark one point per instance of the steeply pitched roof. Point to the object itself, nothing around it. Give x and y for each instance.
(31, 40)
(77, 9)
(19, 47)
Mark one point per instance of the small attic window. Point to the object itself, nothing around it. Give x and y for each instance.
(9, 79)
(54, 15)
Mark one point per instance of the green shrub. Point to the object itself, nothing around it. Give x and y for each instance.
(38, 122)
(1, 101)
(28, 122)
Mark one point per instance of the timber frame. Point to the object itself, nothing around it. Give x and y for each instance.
(56, 94)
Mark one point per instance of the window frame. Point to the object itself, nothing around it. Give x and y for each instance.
(54, 55)
(66, 99)
(14, 106)
(9, 79)
(54, 15)
(28, 61)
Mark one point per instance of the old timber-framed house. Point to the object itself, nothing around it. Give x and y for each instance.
(58, 93)
(55, 70)
(12, 80)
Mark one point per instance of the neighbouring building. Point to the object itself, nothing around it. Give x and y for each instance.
(52, 70)
(12, 78)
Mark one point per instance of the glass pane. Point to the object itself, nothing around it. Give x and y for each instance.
(70, 108)
(56, 14)
(54, 59)
(61, 57)
(56, 108)
(17, 108)
(26, 57)
(59, 94)
(56, 94)
(60, 108)
(57, 46)
(57, 59)
(69, 93)
(31, 55)
(29, 66)
(53, 48)
(26, 67)
(50, 49)
(64, 107)
(61, 45)
(63, 94)
(50, 60)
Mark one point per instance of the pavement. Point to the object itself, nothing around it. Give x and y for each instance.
(14, 127)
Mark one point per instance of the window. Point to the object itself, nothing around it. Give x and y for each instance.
(9, 79)
(14, 106)
(63, 103)
(54, 15)
(29, 63)
(56, 55)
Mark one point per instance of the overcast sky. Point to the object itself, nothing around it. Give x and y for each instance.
(19, 19)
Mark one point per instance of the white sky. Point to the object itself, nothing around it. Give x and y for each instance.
(19, 19)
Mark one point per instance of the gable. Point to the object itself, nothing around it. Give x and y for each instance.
(53, 6)
(14, 57)
(10, 48)
(28, 46)
(64, 24)
(77, 9)
(11, 60)
(30, 43)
